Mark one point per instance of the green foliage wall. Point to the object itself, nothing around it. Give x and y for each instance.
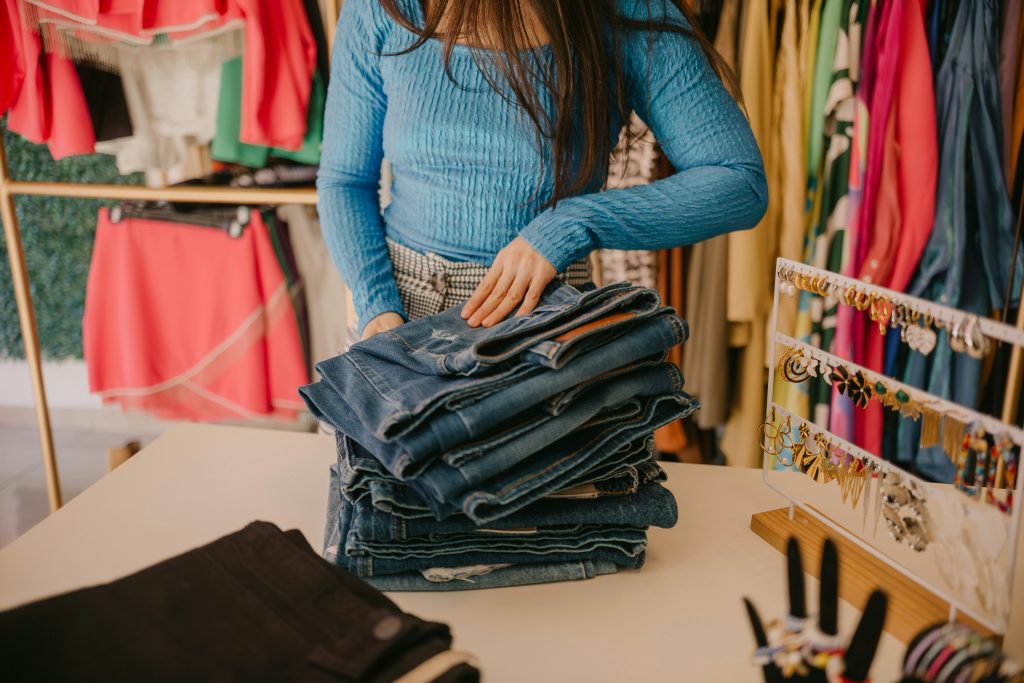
(57, 235)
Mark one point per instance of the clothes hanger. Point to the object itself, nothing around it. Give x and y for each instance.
(231, 220)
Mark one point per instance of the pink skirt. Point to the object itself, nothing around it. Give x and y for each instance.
(186, 322)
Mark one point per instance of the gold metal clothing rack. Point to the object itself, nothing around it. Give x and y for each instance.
(10, 188)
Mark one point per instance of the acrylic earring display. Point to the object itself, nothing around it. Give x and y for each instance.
(951, 527)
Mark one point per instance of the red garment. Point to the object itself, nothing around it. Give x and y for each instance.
(277, 72)
(278, 59)
(876, 238)
(132, 18)
(43, 94)
(186, 322)
(905, 209)
(13, 72)
(917, 141)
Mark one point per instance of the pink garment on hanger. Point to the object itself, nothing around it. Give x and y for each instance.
(46, 102)
(917, 140)
(132, 18)
(879, 218)
(12, 69)
(849, 322)
(277, 72)
(905, 211)
(278, 59)
(185, 322)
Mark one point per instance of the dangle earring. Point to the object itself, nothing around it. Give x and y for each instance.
(953, 438)
(931, 427)
(973, 460)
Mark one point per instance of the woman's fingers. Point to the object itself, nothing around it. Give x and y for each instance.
(532, 298)
(512, 298)
(496, 296)
(483, 290)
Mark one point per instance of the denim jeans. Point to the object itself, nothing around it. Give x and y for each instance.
(651, 505)
(362, 477)
(601, 403)
(487, 577)
(623, 546)
(563, 463)
(421, 416)
(565, 323)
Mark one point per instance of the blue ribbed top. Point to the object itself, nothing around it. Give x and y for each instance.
(467, 175)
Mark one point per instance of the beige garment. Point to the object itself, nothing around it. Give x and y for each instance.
(324, 290)
(749, 284)
(706, 360)
(791, 83)
(631, 165)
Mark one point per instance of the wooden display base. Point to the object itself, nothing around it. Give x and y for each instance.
(912, 607)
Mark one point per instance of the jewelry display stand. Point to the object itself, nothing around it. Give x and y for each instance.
(917, 598)
(912, 607)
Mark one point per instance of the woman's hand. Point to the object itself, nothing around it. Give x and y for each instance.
(382, 323)
(518, 275)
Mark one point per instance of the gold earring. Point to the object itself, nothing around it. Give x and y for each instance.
(953, 431)
(931, 427)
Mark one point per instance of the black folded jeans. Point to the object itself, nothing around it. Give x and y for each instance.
(256, 605)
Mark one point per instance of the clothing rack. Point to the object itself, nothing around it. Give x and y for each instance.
(10, 188)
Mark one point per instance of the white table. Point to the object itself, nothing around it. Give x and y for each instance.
(678, 619)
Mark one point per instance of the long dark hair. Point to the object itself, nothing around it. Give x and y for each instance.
(578, 82)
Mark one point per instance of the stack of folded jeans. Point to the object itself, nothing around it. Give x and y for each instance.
(520, 453)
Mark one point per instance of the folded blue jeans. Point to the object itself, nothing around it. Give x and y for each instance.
(362, 477)
(421, 416)
(565, 323)
(486, 577)
(651, 505)
(622, 546)
(602, 404)
(562, 464)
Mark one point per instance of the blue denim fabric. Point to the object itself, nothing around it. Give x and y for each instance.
(651, 505)
(444, 344)
(607, 403)
(516, 575)
(380, 403)
(562, 464)
(623, 546)
(361, 476)
(540, 427)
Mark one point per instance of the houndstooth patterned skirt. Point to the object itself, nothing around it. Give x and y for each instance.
(429, 284)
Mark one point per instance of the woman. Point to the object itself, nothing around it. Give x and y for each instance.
(498, 117)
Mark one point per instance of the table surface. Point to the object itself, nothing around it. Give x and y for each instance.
(679, 618)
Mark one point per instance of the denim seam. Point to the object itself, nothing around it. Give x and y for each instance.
(369, 375)
(504, 491)
(538, 473)
(677, 377)
(558, 328)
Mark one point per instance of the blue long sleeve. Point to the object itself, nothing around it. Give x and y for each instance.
(467, 174)
(719, 185)
(349, 178)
